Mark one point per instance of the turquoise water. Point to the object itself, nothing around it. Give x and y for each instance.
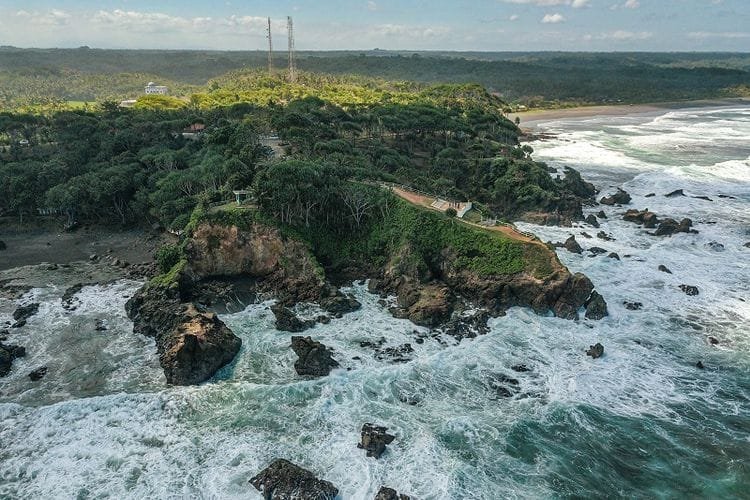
(640, 422)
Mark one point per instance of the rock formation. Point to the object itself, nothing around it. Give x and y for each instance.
(7, 354)
(315, 359)
(283, 480)
(572, 246)
(619, 198)
(595, 351)
(385, 493)
(689, 289)
(596, 307)
(374, 439)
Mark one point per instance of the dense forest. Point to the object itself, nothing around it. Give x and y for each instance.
(34, 76)
(126, 166)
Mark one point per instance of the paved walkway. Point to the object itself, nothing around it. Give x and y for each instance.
(427, 201)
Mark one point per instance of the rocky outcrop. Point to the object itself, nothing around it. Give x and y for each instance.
(38, 374)
(283, 480)
(281, 266)
(21, 314)
(621, 197)
(339, 304)
(315, 359)
(664, 269)
(373, 439)
(591, 220)
(572, 246)
(668, 227)
(385, 493)
(7, 354)
(689, 290)
(596, 307)
(192, 344)
(595, 351)
(196, 348)
(287, 321)
(676, 192)
(645, 217)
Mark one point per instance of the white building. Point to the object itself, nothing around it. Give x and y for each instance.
(153, 88)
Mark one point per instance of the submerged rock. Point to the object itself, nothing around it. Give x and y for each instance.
(38, 374)
(676, 192)
(283, 480)
(645, 217)
(25, 312)
(601, 214)
(591, 220)
(604, 236)
(469, 326)
(596, 307)
(699, 365)
(571, 245)
(315, 359)
(621, 197)
(287, 321)
(7, 354)
(715, 246)
(597, 251)
(504, 386)
(385, 493)
(374, 439)
(664, 269)
(669, 227)
(3, 246)
(689, 289)
(632, 306)
(595, 351)
(340, 304)
(614, 255)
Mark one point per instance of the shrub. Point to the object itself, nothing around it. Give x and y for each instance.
(451, 212)
(167, 256)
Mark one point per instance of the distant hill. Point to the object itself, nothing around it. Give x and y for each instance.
(532, 79)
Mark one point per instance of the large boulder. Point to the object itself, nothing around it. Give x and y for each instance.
(596, 307)
(25, 312)
(433, 306)
(315, 359)
(571, 245)
(591, 220)
(283, 480)
(197, 348)
(340, 304)
(668, 227)
(7, 354)
(621, 197)
(577, 291)
(689, 290)
(287, 321)
(645, 217)
(595, 351)
(385, 493)
(373, 439)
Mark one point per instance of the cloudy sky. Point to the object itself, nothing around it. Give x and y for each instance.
(490, 25)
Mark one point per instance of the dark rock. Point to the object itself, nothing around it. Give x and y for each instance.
(699, 365)
(196, 348)
(601, 214)
(713, 340)
(595, 351)
(3, 246)
(19, 324)
(619, 198)
(591, 220)
(69, 295)
(433, 306)
(520, 368)
(715, 246)
(38, 374)
(315, 359)
(676, 192)
(596, 307)
(385, 493)
(93, 257)
(664, 269)
(571, 245)
(504, 386)
(706, 198)
(586, 235)
(614, 255)
(669, 227)
(340, 304)
(597, 250)
(727, 196)
(25, 312)
(283, 480)
(374, 439)
(689, 289)
(645, 217)
(650, 195)
(287, 321)
(7, 354)
(396, 354)
(101, 325)
(604, 236)
(747, 245)
(632, 306)
(470, 326)
(577, 292)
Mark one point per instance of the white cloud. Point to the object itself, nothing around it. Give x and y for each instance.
(553, 18)
(514, 17)
(409, 31)
(702, 35)
(52, 17)
(632, 4)
(372, 6)
(621, 35)
(154, 22)
(576, 4)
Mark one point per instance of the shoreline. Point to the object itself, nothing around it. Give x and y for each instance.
(534, 118)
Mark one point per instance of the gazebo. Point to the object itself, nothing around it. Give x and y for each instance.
(241, 195)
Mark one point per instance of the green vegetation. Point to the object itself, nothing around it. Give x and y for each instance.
(45, 79)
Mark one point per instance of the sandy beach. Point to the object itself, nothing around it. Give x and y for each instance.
(531, 119)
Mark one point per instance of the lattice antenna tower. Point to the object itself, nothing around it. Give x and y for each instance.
(292, 58)
(270, 48)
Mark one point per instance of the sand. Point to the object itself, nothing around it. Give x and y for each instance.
(532, 119)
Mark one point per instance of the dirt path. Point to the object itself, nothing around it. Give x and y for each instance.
(426, 201)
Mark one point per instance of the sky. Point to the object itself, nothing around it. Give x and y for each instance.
(478, 25)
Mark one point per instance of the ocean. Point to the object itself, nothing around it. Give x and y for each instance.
(643, 421)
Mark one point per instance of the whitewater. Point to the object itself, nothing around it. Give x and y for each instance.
(642, 421)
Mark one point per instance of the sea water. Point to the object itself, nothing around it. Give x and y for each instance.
(642, 421)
